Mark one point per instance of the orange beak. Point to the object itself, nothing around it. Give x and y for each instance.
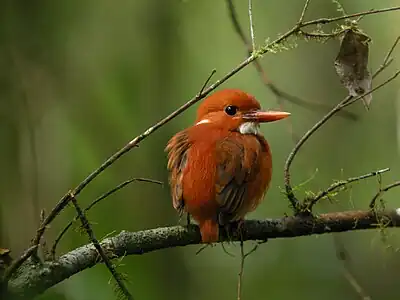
(265, 116)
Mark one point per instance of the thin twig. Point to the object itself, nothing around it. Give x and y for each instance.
(17, 263)
(240, 275)
(341, 183)
(381, 191)
(226, 251)
(305, 7)
(96, 244)
(344, 17)
(206, 82)
(103, 196)
(253, 38)
(243, 257)
(43, 244)
(388, 60)
(49, 218)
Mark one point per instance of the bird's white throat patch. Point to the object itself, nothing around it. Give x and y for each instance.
(203, 121)
(245, 128)
(249, 128)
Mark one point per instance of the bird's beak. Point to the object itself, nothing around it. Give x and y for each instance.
(265, 116)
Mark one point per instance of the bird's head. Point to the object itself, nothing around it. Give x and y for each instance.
(235, 110)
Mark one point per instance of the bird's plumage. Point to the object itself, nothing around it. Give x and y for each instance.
(218, 174)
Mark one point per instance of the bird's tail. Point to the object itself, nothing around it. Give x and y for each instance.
(209, 231)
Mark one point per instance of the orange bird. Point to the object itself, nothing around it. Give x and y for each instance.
(221, 167)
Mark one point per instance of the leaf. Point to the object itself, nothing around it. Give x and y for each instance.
(351, 64)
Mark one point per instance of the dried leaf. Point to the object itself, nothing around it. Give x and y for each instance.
(351, 64)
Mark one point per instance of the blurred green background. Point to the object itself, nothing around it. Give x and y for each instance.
(79, 79)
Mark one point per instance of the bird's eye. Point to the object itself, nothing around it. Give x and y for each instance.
(231, 110)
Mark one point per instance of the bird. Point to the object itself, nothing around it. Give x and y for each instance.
(220, 167)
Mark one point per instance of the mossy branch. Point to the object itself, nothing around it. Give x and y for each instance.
(33, 278)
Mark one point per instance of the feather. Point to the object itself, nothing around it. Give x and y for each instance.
(177, 149)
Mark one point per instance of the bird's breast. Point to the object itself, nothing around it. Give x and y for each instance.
(226, 171)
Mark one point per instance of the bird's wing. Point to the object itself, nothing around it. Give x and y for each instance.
(177, 149)
(233, 169)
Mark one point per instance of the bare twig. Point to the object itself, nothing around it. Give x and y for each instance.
(344, 17)
(49, 218)
(253, 39)
(43, 244)
(243, 257)
(339, 184)
(100, 198)
(206, 82)
(388, 59)
(96, 244)
(381, 191)
(240, 275)
(16, 264)
(305, 7)
(36, 279)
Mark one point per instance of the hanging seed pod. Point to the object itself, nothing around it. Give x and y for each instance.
(351, 64)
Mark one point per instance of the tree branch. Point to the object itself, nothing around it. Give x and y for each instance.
(33, 279)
